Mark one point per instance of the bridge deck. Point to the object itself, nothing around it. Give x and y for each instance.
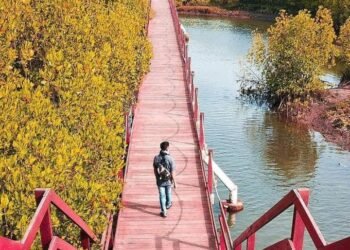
(163, 113)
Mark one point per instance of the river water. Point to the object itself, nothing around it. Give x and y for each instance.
(265, 156)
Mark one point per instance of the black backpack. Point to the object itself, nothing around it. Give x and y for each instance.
(163, 171)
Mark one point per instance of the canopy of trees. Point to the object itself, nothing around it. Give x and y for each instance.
(290, 65)
(68, 71)
(340, 8)
(344, 39)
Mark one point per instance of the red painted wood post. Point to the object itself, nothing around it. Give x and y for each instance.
(127, 129)
(239, 247)
(10, 244)
(188, 70)
(201, 131)
(85, 240)
(191, 81)
(183, 47)
(182, 44)
(193, 96)
(195, 108)
(121, 174)
(133, 110)
(191, 87)
(298, 227)
(210, 171)
(185, 70)
(222, 241)
(251, 242)
(180, 38)
(46, 232)
(192, 92)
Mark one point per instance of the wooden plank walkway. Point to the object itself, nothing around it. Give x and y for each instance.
(164, 113)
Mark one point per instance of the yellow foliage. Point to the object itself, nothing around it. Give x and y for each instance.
(344, 38)
(68, 72)
(299, 47)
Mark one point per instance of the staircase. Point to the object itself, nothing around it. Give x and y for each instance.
(42, 222)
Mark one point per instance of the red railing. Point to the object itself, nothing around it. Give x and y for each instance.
(107, 236)
(302, 219)
(225, 237)
(108, 239)
(42, 222)
(210, 176)
(201, 132)
(299, 198)
(198, 117)
(179, 34)
(128, 124)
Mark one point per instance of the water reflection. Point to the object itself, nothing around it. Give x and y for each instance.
(289, 153)
(289, 150)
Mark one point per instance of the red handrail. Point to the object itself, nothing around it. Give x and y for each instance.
(210, 172)
(302, 219)
(107, 237)
(195, 106)
(193, 94)
(225, 237)
(42, 221)
(201, 131)
(58, 243)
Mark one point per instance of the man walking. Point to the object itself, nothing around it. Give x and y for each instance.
(164, 171)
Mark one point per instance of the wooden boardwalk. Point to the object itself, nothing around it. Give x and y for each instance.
(163, 112)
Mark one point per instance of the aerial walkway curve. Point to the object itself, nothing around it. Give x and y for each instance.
(163, 112)
(167, 109)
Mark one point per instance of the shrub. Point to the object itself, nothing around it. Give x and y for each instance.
(68, 71)
(290, 65)
(344, 39)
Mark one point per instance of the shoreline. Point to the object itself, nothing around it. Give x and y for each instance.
(329, 116)
(214, 11)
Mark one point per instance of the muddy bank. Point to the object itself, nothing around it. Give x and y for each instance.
(220, 12)
(330, 115)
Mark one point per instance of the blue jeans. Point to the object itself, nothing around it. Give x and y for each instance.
(164, 197)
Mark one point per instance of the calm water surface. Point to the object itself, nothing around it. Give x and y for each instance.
(265, 156)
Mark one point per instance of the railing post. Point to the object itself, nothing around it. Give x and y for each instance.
(183, 46)
(188, 83)
(46, 232)
(222, 237)
(210, 172)
(195, 105)
(191, 81)
(191, 86)
(185, 70)
(85, 240)
(201, 131)
(188, 70)
(298, 227)
(121, 174)
(251, 242)
(133, 110)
